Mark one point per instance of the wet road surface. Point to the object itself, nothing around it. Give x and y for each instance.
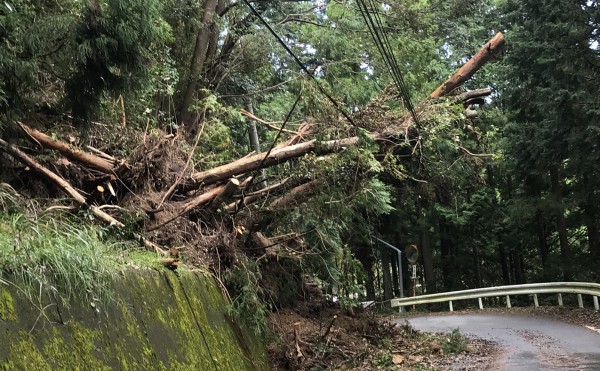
(528, 343)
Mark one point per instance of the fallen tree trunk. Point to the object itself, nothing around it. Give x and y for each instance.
(296, 195)
(69, 190)
(203, 199)
(265, 159)
(230, 187)
(69, 152)
(484, 55)
(280, 155)
(250, 198)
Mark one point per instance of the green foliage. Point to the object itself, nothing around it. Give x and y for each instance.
(33, 35)
(455, 342)
(247, 302)
(116, 44)
(69, 260)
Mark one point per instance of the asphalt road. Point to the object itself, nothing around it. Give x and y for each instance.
(528, 343)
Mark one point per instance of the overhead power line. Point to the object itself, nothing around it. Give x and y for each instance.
(379, 35)
(302, 66)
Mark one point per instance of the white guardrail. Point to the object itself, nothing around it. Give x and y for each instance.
(579, 288)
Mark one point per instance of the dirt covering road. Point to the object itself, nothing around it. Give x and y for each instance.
(529, 339)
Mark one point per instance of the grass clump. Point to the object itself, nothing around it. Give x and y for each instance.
(65, 256)
(455, 342)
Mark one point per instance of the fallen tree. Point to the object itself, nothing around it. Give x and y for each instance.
(220, 186)
(403, 131)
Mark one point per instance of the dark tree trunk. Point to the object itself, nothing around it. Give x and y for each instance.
(446, 249)
(202, 39)
(365, 255)
(511, 262)
(543, 247)
(370, 284)
(590, 213)
(504, 265)
(426, 250)
(518, 267)
(561, 226)
(593, 232)
(476, 266)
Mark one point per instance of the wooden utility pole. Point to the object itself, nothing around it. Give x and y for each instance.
(255, 144)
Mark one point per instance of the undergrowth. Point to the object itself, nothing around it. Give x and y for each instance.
(64, 256)
(247, 303)
(455, 342)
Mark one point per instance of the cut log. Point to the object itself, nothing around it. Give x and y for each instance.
(485, 54)
(202, 199)
(170, 263)
(228, 190)
(68, 151)
(187, 206)
(69, 190)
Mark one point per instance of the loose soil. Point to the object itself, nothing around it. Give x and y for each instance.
(367, 341)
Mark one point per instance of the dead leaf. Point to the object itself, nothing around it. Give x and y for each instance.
(397, 359)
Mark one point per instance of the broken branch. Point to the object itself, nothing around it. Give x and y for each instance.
(485, 54)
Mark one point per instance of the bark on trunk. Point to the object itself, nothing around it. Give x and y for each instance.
(504, 265)
(387, 277)
(446, 253)
(68, 151)
(426, 251)
(543, 248)
(590, 212)
(485, 54)
(296, 196)
(202, 39)
(265, 159)
(476, 266)
(370, 284)
(226, 193)
(561, 226)
(395, 285)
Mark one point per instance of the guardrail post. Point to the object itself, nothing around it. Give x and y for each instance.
(508, 302)
(596, 306)
(452, 309)
(560, 303)
(480, 303)
(580, 300)
(535, 301)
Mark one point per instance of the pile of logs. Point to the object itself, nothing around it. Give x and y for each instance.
(214, 188)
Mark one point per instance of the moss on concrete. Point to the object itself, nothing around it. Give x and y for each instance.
(7, 307)
(157, 320)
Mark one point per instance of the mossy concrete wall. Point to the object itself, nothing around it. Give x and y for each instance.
(155, 321)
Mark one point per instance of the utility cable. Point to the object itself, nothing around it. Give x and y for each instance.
(302, 66)
(385, 49)
(373, 21)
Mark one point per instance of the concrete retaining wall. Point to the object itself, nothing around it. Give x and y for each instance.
(155, 321)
